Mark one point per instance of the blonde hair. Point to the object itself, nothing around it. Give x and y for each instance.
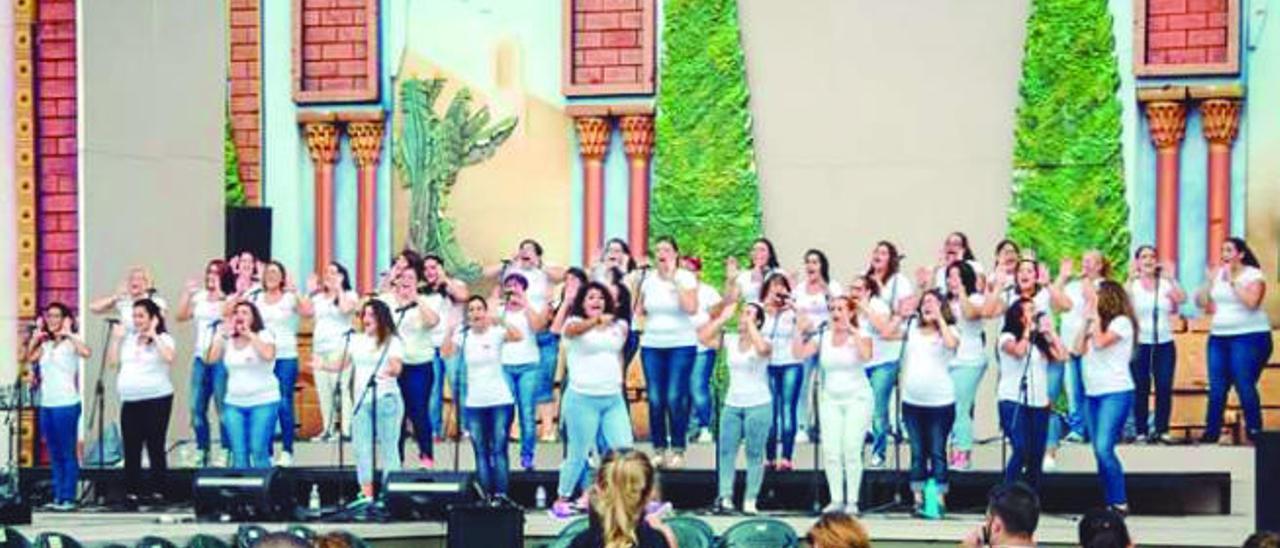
(146, 275)
(836, 530)
(622, 488)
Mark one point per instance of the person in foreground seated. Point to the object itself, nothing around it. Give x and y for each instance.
(622, 490)
(838, 530)
(1013, 511)
(1104, 528)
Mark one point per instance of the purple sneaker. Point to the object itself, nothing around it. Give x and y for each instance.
(526, 462)
(563, 509)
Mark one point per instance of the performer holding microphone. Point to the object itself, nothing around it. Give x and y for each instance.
(785, 369)
(248, 351)
(1156, 296)
(895, 293)
(1026, 346)
(55, 349)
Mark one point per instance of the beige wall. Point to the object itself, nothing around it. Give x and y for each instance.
(152, 108)
(883, 120)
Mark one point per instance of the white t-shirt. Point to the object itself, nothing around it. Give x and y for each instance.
(880, 348)
(251, 380)
(897, 289)
(748, 375)
(594, 359)
(1041, 302)
(1106, 370)
(969, 353)
(1232, 317)
(814, 305)
(486, 382)
(124, 310)
(1073, 320)
(1145, 304)
(779, 329)
(1009, 388)
(925, 379)
(749, 286)
(415, 337)
(144, 374)
(666, 324)
(368, 357)
(843, 376)
(331, 323)
(525, 350)
(281, 318)
(205, 312)
(59, 374)
(539, 285)
(444, 308)
(940, 274)
(708, 297)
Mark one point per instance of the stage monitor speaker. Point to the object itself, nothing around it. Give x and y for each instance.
(249, 229)
(1266, 492)
(426, 495)
(473, 525)
(225, 494)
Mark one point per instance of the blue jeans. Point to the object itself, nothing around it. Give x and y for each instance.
(489, 427)
(415, 387)
(965, 379)
(750, 426)
(1109, 411)
(435, 404)
(928, 429)
(1236, 361)
(1055, 377)
(1078, 419)
(804, 415)
(586, 419)
(700, 388)
(525, 381)
(390, 411)
(249, 431)
(60, 433)
(1025, 427)
(1158, 361)
(208, 384)
(548, 357)
(666, 373)
(784, 386)
(884, 377)
(287, 373)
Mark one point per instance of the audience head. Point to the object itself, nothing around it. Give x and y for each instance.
(1103, 529)
(1263, 539)
(281, 540)
(838, 530)
(1013, 512)
(623, 486)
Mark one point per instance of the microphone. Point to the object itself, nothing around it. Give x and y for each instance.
(350, 331)
(407, 307)
(254, 294)
(113, 321)
(215, 323)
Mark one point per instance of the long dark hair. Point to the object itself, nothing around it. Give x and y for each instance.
(579, 303)
(1014, 325)
(626, 249)
(153, 311)
(772, 261)
(1007, 242)
(669, 240)
(284, 274)
(1113, 302)
(386, 326)
(895, 260)
(824, 266)
(345, 286)
(943, 309)
(773, 279)
(968, 278)
(624, 295)
(412, 257)
(964, 240)
(66, 314)
(1247, 257)
(256, 324)
(427, 288)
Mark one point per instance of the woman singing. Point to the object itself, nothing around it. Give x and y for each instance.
(138, 285)
(747, 414)
(1069, 298)
(1239, 335)
(928, 398)
(1026, 346)
(280, 306)
(248, 351)
(668, 302)
(813, 293)
(785, 369)
(1106, 344)
(56, 348)
(521, 359)
(1156, 296)
(335, 305)
(895, 292)
(709, 303)
(376, 358)
(841, 350)
(956, 248)
(968, 306)
(452, 293)
(204, 303)
(413, 316)
(144, 353)
(745, 285)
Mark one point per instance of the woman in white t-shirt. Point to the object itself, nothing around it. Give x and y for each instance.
(956, 248)
(451, 292)
(746, 415)
(204, 302)
(785, 369)
(485, 393)
(668, 302)
(841, 350)
(56, 349)
(414, 316)
(1069, 298)
(1006, 263)
(928, 398)
(145, 354)
(1026, 346)
(1156, 296)
(593, 407)
(1106, 345)
(814, 290)
(335, 305)
(745, 285)
(1239, 335)
(709, 304)
(967, 304)
(137, 285)
(521, 360)
(896, 294)
(248, 351)
(281, 307)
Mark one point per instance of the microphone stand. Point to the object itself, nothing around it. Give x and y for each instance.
(459, 375)
(898, 476)
(817, 421)
(1151, 354)
(99, 404)
(1024, 406)
(371, 388)
(336, 412)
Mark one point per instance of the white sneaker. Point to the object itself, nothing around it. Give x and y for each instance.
(802, 437)
(1050, 464)
(285, 459)
(851, 508)
(659, 459)
(749, 507)
(877, 461)
(704, 436)
(834, 506)
(223, 458)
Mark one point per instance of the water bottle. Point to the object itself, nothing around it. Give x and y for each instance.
(314, 503)
(540, 497)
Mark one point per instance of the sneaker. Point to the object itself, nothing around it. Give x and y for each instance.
(725, 506)
(877, 461)
(954, 460)
(802, 437)
(704, 436)
(851, 508)
(962, 461)
(65, 506)
(526, 462)
(285, 459)
(656, 508)
(833, 507)
(223, 458)
(1167, 439)
(749, 507)
(582, 503)
(549, 437)
(426, 462)
(360, 502)
(562, 509)
(675, 460)
(1074, 437)
(784, 465)
(1050, 464)
(659, 458)
(50, 506)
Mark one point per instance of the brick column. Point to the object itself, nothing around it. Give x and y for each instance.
(366, 146)
(244, 80)
(1221, 122)
(322, 142)
(1167, 119)
(56, 141)
(593, 142)
(637, 139)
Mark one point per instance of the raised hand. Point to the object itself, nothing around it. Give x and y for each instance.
(1065, 269)
(1042, 274)
(731, 268)
(923, 275)
(192, 285)
(313, 283)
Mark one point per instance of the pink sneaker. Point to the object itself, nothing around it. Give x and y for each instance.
(962, 461)
(426, 462)
(562, 509)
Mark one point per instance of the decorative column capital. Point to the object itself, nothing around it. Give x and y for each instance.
(593, 136)
(1168, 121)
(1221, 120)
(637, 136)
(322, 141)
(366, 142)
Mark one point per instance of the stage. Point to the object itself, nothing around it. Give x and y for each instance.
(1180, 495)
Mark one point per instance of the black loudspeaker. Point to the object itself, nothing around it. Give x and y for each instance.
(473, 525)
(249, 229)
(426, 495)
(1266, 476)
(223, 494)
